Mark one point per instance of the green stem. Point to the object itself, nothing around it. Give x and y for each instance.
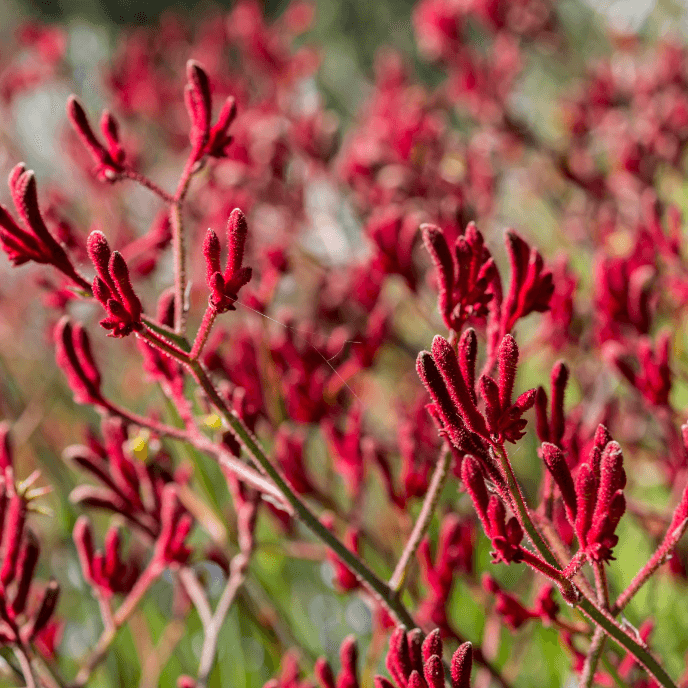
(179, 258)
(179, 340)
(521, 509)
(396, 582)
(594, 654)
(379, 588)
(596, 649)
(671, 539)
(178, 247)
(130, 173)
(600, 617)
(641, 654)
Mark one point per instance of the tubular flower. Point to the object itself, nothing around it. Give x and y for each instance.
(506, 535)
(464, 276)
(25, 613)
(594, 500)
(112, 287)
(224, 286)
(32, 241)
(74, 356)
(109, 158)
(450, 381)
(104, 570)
(416, 664)
(206, 139)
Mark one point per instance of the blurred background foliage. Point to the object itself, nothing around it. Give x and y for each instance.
(306, 610)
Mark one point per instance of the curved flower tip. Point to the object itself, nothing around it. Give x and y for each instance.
(73, 354)
(112, 288)
(224, 286)
(108, 158)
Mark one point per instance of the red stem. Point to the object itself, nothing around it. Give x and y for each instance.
(203, 332)
(148, 183)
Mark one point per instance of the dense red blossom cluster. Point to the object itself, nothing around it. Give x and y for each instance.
(292, 414)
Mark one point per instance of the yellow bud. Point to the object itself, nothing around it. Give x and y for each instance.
(139, 447)
(213, 421)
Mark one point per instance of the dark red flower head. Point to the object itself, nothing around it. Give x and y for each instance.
(32, 241)
(109, 159)
(416, 663)
(112, 287)
(225, 286)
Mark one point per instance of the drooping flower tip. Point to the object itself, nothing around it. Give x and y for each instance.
(31, 240)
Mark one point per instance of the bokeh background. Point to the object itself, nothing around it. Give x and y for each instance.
(307, 612)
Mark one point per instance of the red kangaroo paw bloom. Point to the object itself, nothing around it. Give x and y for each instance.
(20, 619)
(448, 365)
(128, 486)
(453, 553)
(104, 570)
(509, 607)
(552, 430)
(224, 286)
(198, 105)
(531, 285)
(73, 355)
(32, 241)
(464, 276)
(600, 500)
(206, 140)
(645, 365)
(461, 664)
(108, 158)
(413, 664)
(506, 535)
(556, 464)
(112, 287)
(504, 418)
(218, 139)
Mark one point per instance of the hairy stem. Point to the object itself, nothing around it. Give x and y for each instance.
(520, 508)
(148, 183)
(600, 617)
(396, 582)
(178, 245)
(672, 537)
(379, 588)
(179, 259)
(592, 659)
(163, 331)
(203, 332)
(596, 648)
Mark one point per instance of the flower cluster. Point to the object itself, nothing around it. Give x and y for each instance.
(297, 414)
(412, 662)
(26, 615)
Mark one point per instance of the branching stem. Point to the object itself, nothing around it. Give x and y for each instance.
(378, 587)
(601, 617)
